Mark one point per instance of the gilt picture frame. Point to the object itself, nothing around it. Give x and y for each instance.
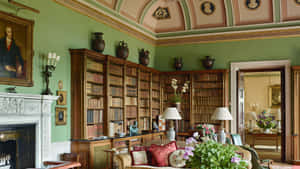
(60, 115)
(274, 96)
(16, 50)
(62, 100)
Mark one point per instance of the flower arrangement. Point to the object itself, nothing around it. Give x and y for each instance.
(266, 121)
(177, 95)
(211, 154)
(207, 130)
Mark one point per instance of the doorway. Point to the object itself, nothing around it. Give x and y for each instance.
(261, 110)
(285, 65)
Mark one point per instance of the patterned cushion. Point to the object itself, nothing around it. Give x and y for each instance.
(139, 157)
(161, 153)
(176, 159)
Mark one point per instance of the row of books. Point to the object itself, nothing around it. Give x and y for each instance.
(144, 94)
(144, 124)
(155, 86)
(116, 102)
(94, 116)
(95, 103)
(208, 85)
(144, 112)
(116, 80)
(131, 91)
(131, 81)
(131, 71)
(155, 104)
(155, 78)
(131, 101)
(94, 130)
(94, 66)
(155, 94)
(145, 76)
(131, 112)
(117, 114)
(116, 69)
(116, 91)
(94, 77)
(144, 85)
(144, 103)
(209, 77)
(94, 89)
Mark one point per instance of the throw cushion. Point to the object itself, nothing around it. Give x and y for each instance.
(139, 157)
(149, 155)
(176, 159)
(161, 153)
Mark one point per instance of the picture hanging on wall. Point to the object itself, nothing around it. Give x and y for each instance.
(16, 50)
(274, 96)
(60, 116)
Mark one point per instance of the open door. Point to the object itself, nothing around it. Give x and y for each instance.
(241, 104)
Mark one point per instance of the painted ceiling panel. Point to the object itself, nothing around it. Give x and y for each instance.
(133, 9)
(247, 12)
(171, 18)
(290, 10)
(175, 21)
(207, 14)
(108, 3)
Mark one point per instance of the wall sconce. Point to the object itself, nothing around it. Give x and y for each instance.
(50, 67)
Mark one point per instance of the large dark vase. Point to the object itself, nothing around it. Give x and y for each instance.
(178, 64)
(208, 62)
(122, 50)
(144, 57)
(98, 43)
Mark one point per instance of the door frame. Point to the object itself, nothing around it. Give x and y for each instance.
(258, 65)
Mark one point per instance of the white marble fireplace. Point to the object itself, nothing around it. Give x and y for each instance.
(18, 109)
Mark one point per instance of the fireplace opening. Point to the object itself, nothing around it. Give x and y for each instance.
(17, 146)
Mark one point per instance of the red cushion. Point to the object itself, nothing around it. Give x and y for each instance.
(161, 153)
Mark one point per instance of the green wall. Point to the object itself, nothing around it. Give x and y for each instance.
(227, 52)
(57, 29)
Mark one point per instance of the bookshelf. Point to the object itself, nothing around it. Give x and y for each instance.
(88, 112)
(144, 93)
(208, 89)
(156, 96)
(131, 88)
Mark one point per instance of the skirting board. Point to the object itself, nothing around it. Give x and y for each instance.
(58, 148)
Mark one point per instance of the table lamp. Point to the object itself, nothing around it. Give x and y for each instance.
(251, 116)
(222, 113)
(171, 113)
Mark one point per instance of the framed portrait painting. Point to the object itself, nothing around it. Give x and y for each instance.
(16, 50)
(60, 115)
(274, 96)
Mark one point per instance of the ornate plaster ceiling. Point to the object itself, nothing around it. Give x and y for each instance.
(160, 19)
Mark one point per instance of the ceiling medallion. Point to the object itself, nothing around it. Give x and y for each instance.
(208, 8)
(161, 13)
(253, 4)
(297, 2)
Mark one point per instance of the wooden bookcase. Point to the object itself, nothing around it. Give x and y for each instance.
(124, 89)
(88, 87)
(208, 89)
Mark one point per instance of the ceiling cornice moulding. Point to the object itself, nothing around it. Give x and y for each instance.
(119, 24)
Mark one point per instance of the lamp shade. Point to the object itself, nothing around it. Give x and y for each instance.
(251, 116)
(221, 113)
(171, 113)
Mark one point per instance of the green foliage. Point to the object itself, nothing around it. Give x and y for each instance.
(213, 155)
(266, 121)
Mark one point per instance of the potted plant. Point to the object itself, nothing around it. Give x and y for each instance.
(211, 154)
(176, 99)
(208, 131)
(266, 122)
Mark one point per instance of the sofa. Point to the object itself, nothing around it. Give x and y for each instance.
(124, 161)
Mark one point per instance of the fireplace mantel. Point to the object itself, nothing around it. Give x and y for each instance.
(30, 109)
